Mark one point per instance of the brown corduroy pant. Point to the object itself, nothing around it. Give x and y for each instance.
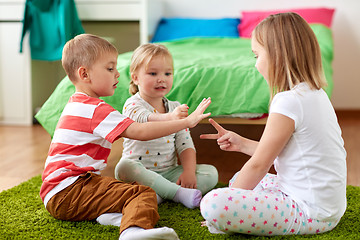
(92, 195)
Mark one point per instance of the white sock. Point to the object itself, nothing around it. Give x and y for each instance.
(113, 219)
(137, 233)
(189, 197)
(159, 199)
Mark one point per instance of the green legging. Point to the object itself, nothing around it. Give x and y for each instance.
(164, 183)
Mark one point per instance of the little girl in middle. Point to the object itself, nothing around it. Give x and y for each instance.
(154, 163)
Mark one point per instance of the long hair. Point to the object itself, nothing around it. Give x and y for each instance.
(142, 56)
(293, 51)
(84, 50)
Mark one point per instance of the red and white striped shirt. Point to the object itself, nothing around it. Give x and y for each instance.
(81, 142)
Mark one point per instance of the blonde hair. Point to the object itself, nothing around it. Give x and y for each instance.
(142, 56)
(293, 52)
(84, 50)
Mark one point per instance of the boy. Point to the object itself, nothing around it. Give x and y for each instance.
(72, 188)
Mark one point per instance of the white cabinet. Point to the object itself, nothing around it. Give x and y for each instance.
(15, 75)
(15, 68)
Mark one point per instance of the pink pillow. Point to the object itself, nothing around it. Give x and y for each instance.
(250, 19)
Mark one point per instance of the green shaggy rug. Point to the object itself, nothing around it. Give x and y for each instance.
(23, 216)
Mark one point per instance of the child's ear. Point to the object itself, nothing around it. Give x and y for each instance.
(134, 77)
(83, 74)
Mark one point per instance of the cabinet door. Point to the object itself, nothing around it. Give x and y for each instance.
(15, 79)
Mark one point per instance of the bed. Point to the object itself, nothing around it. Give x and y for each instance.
(212, 58)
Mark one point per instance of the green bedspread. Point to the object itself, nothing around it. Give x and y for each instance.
(220, 68)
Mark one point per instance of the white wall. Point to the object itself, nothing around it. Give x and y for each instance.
(346, 94)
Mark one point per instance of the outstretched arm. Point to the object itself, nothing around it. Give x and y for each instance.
(153, 130)
(230, 141)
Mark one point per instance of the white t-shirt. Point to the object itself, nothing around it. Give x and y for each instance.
(312, 166)
(158, 154)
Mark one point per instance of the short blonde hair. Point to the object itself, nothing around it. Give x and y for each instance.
(84, 50)
(142, 56)
(293, 51)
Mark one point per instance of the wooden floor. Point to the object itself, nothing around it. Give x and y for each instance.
(24, 149)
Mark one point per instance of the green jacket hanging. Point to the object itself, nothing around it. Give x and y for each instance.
(51, 23)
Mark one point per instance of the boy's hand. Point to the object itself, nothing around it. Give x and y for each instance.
(180, 112)
(198, 115)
